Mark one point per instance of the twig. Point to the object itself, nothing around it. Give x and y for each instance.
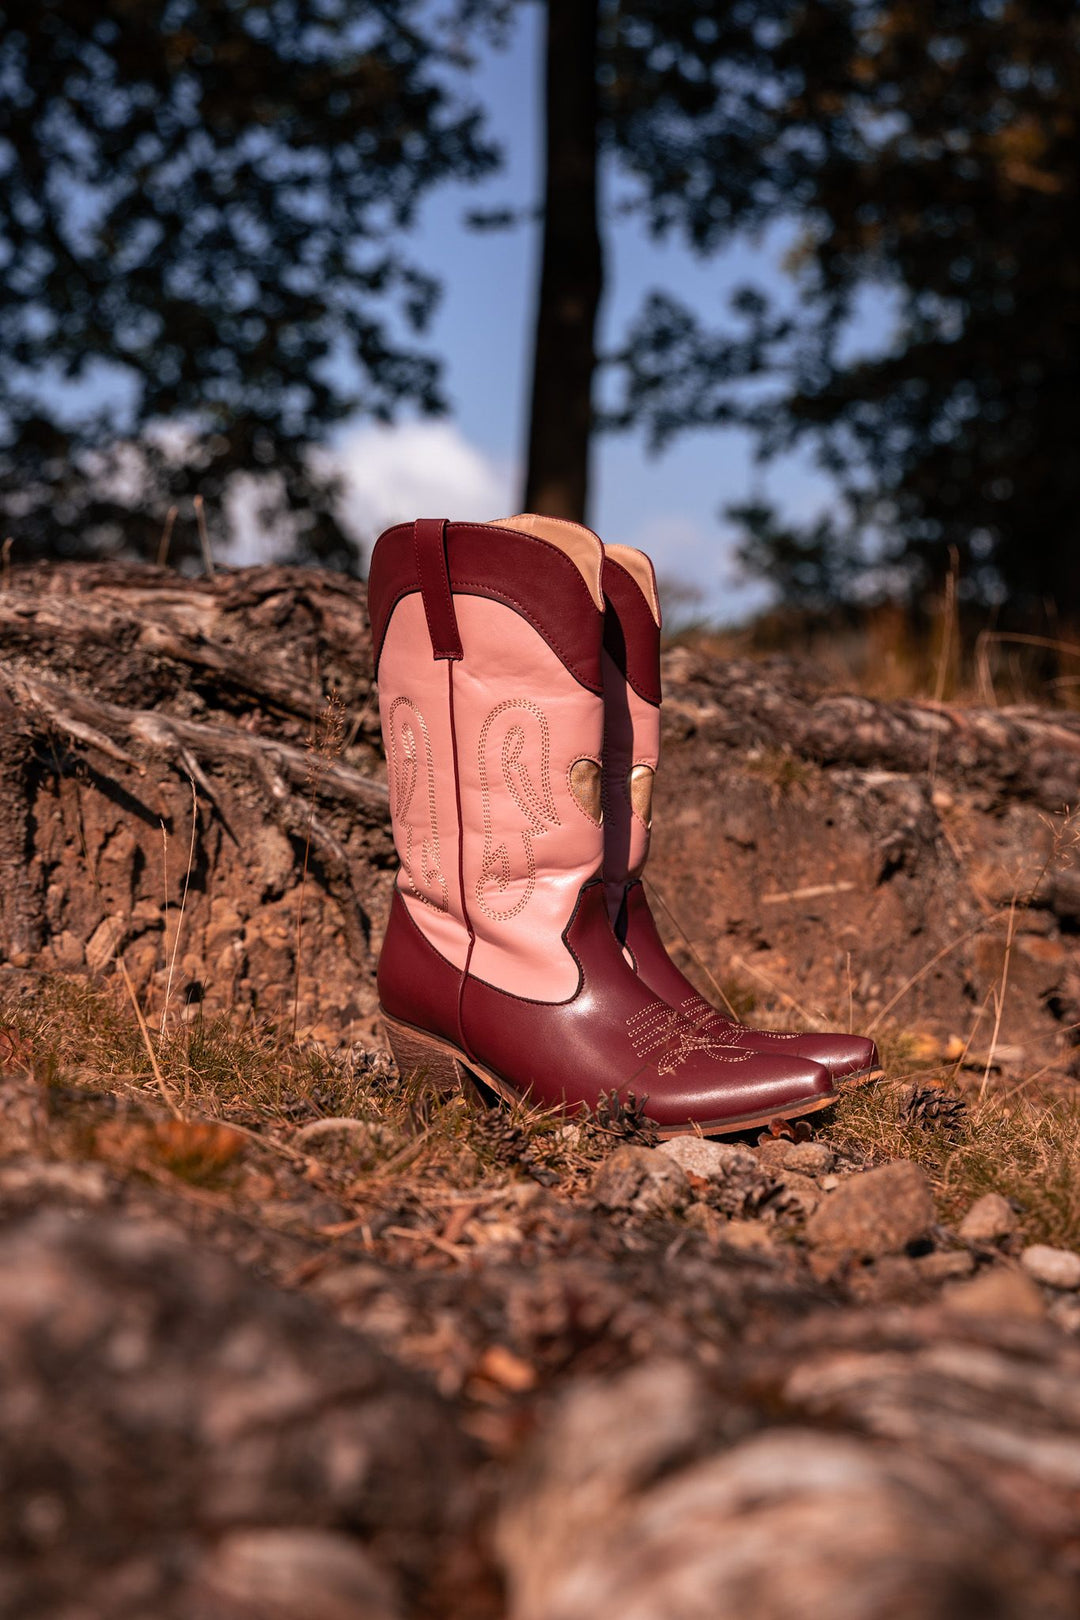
(850, 998)
(166, 1094)
(164, 890)
(816, 891)
(962, 1059)
(677, 925)
(183, 906)
(999, 996)
(5, 555)
(987, 638)
(166, 536)
(170, 732)
(204, 537)
(909, 984)
(777, 989)
(948, 614)
(90, 736)
(431, 1238)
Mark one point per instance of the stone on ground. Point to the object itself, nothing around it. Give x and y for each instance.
(990, 1219)
(1057, 1268)
(874, 1213)
(641, 1181)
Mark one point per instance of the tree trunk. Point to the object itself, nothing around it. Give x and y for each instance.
(571, 271)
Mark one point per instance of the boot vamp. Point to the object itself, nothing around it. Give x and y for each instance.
(841, 1054)
(614, 1034)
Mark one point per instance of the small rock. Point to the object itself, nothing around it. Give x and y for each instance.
(38, 1179)
(876, 1212)
(705, 1219)
(67, 952)
(801, 1195)
(749, 1235)
(735, 1181)
(989, 1220)
(1057, 1268)
(1001, 1291)
(299, 1574)
(714, 1161)
(1065, 1312)
(945, 1265)
(892, 1280)
(641, 1181)
(103, 943)
(808, 1158)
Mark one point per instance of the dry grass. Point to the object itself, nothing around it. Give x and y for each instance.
(251, 1087)
(345, 1120)
(1023, 1146)
(885, 653)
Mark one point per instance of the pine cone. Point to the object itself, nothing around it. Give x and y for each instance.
(627, 1120)
(511, 1146)
(932, 1109)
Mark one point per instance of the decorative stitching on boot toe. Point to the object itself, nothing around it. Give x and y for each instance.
(711, 1019)
(667, 1031)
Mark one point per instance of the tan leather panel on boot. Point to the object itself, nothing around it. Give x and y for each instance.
(574, 540)
(641, 571)
(585, 785)
(641, 790)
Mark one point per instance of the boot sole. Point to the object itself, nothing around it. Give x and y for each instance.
(852, 1082)
(446, 1066)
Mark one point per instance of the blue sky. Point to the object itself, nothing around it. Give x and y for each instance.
(668, 504)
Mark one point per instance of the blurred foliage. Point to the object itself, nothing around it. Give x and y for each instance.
(925, 156)
(200, 204)
(204, 201)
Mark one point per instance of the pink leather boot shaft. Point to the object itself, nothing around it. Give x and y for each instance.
(499, 733)
(632, 735)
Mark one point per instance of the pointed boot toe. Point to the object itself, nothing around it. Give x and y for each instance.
(756, 1089)
(847, 1057)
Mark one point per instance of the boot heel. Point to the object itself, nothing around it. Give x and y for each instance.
(425, 1056)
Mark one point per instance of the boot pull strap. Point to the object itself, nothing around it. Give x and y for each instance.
(429, 543)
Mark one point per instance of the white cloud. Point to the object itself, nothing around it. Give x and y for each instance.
(697, 566)
(390, 474)
(416, 469)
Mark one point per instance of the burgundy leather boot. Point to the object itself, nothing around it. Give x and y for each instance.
(499, 957)
(631, 664)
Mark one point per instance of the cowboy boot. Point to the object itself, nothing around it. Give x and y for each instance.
(631, 664)
(498, 956)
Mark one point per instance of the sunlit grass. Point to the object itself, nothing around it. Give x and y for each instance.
(1025, 1147)
(83, 1044)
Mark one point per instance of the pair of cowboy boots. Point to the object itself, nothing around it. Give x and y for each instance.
(519, 691)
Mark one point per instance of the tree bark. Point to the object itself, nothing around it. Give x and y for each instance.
(571, 271)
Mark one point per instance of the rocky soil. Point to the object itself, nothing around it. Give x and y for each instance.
(256, 1373)
(820, 854)
(282, 1337)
